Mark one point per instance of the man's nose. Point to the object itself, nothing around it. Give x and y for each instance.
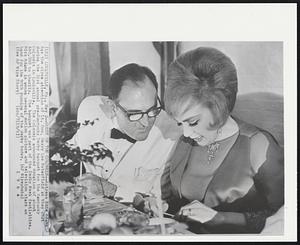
(144, 120)
(187, 132)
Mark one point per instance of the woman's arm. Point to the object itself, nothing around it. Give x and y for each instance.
(267, 163)
(223, 218)
(250, 222)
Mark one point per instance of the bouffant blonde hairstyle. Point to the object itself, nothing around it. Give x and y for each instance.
(203, 76)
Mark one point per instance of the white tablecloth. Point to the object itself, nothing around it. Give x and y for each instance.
(275, 224)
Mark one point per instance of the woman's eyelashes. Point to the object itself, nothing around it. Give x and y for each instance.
(192, 124)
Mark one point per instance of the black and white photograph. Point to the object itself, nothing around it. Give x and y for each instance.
(150, 139)
(206, 124)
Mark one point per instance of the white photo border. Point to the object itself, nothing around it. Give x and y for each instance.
(162, 22)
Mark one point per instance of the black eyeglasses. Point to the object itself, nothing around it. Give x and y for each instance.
(135, 116)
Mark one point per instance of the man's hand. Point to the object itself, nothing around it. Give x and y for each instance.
(148, 204)
(96, 186)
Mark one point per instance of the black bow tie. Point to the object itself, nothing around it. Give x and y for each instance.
(117, 134)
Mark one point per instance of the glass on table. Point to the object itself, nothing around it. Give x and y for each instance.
(73, 201)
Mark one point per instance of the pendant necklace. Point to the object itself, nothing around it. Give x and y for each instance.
(212, 150)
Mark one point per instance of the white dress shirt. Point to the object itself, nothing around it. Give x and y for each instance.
(136, 167)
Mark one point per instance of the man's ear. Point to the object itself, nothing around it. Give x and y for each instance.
(108, 107)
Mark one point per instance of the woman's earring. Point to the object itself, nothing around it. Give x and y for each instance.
(219, 132)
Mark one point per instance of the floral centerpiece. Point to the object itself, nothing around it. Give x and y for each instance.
(66, 172)
(65, 159)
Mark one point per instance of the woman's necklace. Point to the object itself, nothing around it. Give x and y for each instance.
(212, 150)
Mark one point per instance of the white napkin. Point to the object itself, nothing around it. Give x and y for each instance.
(204, 213)
(159, 220)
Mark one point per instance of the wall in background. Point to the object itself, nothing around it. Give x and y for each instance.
(259, 64)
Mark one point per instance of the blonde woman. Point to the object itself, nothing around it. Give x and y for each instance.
(232, 168)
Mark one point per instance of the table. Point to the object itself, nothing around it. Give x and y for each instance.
(105, 205)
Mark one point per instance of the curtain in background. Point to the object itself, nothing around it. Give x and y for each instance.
(168, 52)
(82, 70)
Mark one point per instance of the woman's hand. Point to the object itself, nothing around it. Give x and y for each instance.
(215, 218)
(199, 212)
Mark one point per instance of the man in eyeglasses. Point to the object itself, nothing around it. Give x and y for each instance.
(132, 124)
(136, 103)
